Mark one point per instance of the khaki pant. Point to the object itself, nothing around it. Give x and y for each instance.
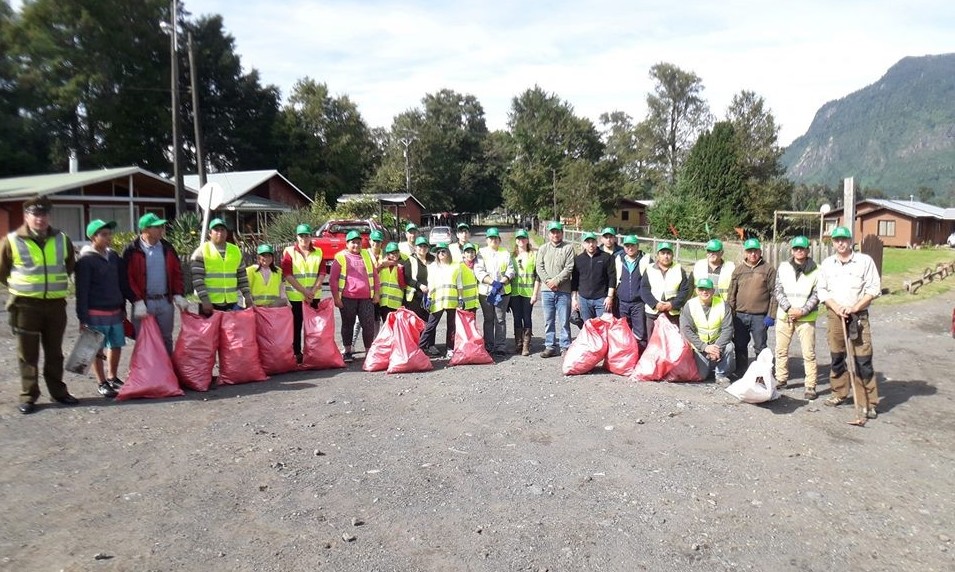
(39, 323)
(862, 349)
(806, 331)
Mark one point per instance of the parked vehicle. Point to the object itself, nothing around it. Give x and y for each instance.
(441, 234)
(330, 237)
(951, 240)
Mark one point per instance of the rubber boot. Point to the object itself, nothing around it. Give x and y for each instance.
(517, 342)
(526, 345)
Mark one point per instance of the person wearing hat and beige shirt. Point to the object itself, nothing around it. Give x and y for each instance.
(555, 268)
(35, 263)
(798, 301)
(750, 296)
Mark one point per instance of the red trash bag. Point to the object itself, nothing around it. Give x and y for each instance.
(623, 352)
(377, 356)
(468, 341)
(668, 356)
(588, 349)
(273, 332)
(238, 349)
(151, 375)
(406, 356)
(319, 347)
(195, 353)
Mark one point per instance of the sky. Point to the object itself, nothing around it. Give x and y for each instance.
(385, 55)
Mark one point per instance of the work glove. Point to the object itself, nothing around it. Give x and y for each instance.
(139, 310)
(769, 321)
(180, 302)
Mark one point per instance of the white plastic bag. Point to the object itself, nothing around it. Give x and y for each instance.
(758, 384)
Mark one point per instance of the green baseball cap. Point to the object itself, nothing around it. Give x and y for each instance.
(800, 242)
(303, 229)
(714, 245)
(608, 230)
(554, 225)
(841, 232)
(150, 220)
(520, 234)
(492, 232)
(630, 239)
(463, 226)
(377, 236)
(97, 225)
(751, 244)
(352, 235)
(217, 222)
(589, 236)
(704, 283)
(440, 246)
(664, 246)
(412, 227)
(469, 246)
(265, 249)
(391, 247)
(421, 240)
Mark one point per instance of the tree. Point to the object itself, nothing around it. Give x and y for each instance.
(676, 115)
(626, 144)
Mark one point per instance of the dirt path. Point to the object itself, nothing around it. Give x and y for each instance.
(504, 467)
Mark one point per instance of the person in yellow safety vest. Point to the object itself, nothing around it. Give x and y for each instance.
(798, 300)
(665, 288)
(35, 263)
(443, 290)
(494, 266)
(415, 270)
(715, 268)
(468, 296)
(303, 270)
(407, 248)
(356, 289)
(376, 240)
(392, 279)
(217, 272)
(265, 279)
(707, 325)
(464, 237)
(526, 291)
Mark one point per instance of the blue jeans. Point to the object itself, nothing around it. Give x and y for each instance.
(590, 307)
(556, 314)
(744, 326)
(727, 364)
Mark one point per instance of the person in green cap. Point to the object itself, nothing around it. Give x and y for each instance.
(631, 268)
(443, 295)
(750, 296)
(356, 289)
(101, 293)
(665, 288)
(409, 246)
(464, 237)
(415, 270)
(303, 270)
(715, 268)
(593, 280)
(798, 302)
(848, 283)
(555, 268)
(154, 275)
(265, 279)
(608, 242)
(376, 245)
(707, 325)
(218, 276)
(526, 291)
(392, 279)
(494, 270)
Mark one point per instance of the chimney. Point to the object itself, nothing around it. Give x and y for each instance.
(74, 162)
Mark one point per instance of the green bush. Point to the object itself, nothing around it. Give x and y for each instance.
(121, 240)
(183, 233)
(281, 229)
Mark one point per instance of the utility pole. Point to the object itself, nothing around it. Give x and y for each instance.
(406, 141)
(174, 87)
(193, 81)
(554, 172)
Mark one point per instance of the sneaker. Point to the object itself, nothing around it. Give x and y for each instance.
(449, 354)
(870, 413)
(834, 400)
(433, 351)
(723, 380)
(810, 394)
(781, 384)
(106, 390)
(348, 357)
(550, 352)
(115, 383)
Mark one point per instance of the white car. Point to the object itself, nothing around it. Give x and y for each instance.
(440, 234)
(951, 240)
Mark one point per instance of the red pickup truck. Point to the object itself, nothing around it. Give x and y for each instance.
(330, 237)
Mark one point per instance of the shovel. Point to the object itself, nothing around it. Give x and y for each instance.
(859, 395)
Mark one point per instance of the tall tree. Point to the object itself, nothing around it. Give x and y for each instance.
(628, 146)
(676, 115)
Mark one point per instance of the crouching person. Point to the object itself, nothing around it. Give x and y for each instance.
(707, 324)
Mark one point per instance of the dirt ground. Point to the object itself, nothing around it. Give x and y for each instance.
(504, 467)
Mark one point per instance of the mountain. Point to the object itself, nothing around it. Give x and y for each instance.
(895, 135)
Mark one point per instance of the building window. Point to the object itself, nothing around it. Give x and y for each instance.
(886, 228)
(624, 215)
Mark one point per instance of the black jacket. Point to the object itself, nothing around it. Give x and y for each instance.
(593, 275)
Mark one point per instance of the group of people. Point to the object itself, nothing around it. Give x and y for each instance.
(733, 303)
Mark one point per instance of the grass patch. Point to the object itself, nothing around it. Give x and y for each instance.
(900, 265)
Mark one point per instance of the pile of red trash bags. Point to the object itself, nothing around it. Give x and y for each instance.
(668, 356)
(395, 348)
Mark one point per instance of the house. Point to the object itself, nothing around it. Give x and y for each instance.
(404, 206)
(251, 197)
(897, 223)
(121, 194)
(630, 216)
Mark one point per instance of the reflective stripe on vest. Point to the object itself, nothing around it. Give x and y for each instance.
(391, 295)
(526, 274)
(469, 288)
(442, 286)
(305, 269)
(369, 271)
(702, 270)
(797, 290)
(222, 284)
(707, 327)
(499, 259)
(664, 287)
(264, 293)
(38, 272)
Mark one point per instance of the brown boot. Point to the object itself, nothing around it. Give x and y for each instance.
(526, 345)
(517, 341)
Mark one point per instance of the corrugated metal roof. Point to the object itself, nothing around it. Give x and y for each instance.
(916, 209)
(254, 203)
(25, 187)
(385, 197)
(237, 183)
